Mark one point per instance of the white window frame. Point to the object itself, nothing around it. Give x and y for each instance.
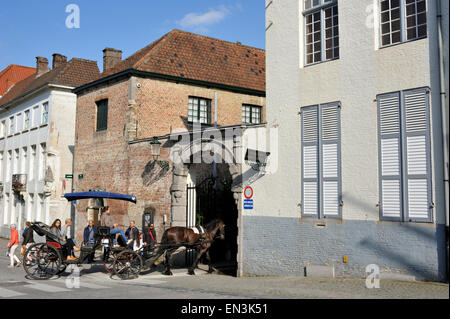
(44, 113)
(403, 25)
(12, 125)
(320, 176)
(321, 7)
(26, 121)
(2, 128)
(252, 109)
(196, 101)
(403, 176)
(36, 116)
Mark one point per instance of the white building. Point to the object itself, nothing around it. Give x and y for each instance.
(37, 131)
(356, 92)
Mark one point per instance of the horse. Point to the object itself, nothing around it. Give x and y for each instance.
(176, 237)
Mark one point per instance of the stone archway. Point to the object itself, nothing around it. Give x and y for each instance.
(178, 192)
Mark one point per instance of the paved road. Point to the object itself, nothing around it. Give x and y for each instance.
(94, 282)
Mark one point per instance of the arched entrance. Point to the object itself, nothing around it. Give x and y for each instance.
(210, 191)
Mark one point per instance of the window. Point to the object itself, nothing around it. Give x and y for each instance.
(3, 128)
(404, 156)
(102, 115)
(402, 20)
(1, 167)
(36, 116)
(23, 162)
(44, 118)
(42, 161)
(19, 122)
(321, 161)
(16, 159)
(321, 30)
(26, 124)
(8, 171)
(32, 162)
(251, 114)
(11, 125)
(199, 110)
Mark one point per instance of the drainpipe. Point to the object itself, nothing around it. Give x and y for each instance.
(444, 117)
(215, 126)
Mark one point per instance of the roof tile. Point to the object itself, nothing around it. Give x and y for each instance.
(197, 57)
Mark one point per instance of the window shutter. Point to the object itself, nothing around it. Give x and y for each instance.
(310, 160)
(330, 163)
(417, 155)
(389, 156)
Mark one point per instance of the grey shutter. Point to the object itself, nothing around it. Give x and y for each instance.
(330, 186)
(416, 153)
(389, 150)
(310, 159)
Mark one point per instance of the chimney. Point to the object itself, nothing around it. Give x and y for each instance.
(41, 65)
(110, 58)
(58, 60)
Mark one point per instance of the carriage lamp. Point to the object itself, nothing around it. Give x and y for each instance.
(156, 147)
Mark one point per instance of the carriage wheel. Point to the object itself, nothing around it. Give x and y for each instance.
(42, 261)
(109, 265)
(128, 264)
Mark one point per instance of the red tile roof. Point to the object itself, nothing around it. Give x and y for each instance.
(13, 74)
(191, 56)
(74, 73)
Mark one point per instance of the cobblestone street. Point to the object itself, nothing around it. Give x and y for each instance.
(95, 283)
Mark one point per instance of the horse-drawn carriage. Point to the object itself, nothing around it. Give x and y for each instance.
(45, 260)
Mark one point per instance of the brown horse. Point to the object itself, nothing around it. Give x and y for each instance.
(176, 237)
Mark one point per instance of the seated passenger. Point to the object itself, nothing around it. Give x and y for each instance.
(132, 234)
(138, 244)
(67, 244)
(89, 238)
(120, 240)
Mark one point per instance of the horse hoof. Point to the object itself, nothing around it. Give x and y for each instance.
(168, 273)
(191, 272)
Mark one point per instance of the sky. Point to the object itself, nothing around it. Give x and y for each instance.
(83, 28)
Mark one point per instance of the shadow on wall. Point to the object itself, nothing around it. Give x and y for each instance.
(405, 257)
(423, 233)
(248, 177)
(154, 171)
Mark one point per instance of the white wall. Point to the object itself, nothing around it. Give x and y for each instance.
(41, 201)
(362, 71)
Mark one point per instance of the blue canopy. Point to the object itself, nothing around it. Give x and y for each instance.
(99, 194)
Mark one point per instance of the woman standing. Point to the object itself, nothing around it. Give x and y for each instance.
(13, 244)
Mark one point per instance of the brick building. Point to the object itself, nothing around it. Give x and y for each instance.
(168, 86)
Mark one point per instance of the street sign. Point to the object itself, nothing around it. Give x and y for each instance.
(69, 176)
(248, 192)
(248, 203)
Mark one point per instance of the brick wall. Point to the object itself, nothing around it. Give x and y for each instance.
(107, 160)
(163, 105)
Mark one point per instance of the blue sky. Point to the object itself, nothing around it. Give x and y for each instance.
(38, 28)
